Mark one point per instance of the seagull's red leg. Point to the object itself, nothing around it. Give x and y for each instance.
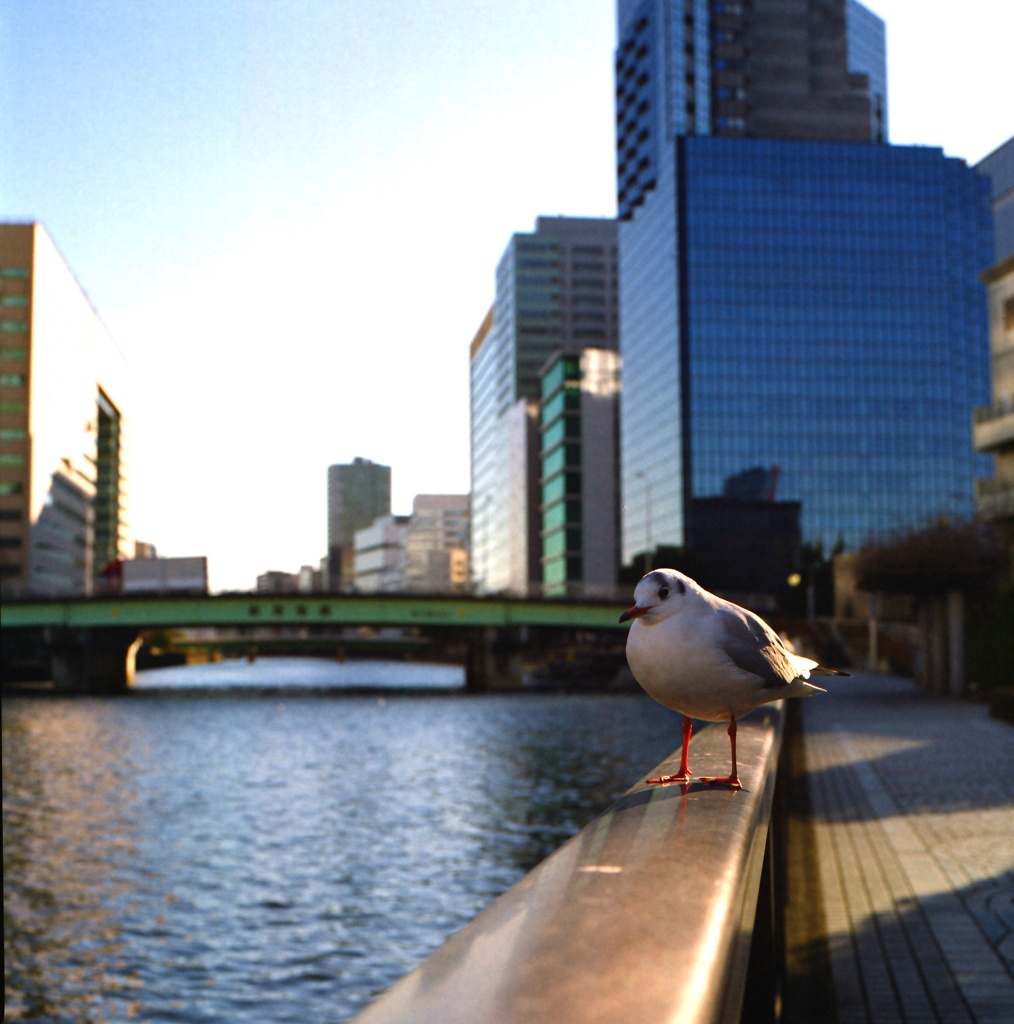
(684, 772)
(733, 779)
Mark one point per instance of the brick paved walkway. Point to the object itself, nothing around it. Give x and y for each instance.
(913, 804)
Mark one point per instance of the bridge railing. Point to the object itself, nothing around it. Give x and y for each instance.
(646, 915)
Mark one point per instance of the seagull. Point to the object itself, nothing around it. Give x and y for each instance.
(708, 659)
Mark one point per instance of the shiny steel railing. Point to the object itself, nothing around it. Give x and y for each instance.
(645, 916)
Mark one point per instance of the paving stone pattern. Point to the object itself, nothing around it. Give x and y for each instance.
(913, 800)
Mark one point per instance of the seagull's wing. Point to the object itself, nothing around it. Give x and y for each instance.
(754, 647)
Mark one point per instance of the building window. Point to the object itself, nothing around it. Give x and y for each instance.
(12, 380)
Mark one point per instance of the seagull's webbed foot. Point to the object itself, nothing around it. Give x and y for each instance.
(732, 781)
(664, 780)
(684, 774)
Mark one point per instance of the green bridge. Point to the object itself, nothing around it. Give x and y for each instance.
(147, 611)
(92, 641)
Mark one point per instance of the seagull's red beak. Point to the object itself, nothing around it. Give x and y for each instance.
(633, 613)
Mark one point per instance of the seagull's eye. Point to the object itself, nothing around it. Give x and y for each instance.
(663, 592)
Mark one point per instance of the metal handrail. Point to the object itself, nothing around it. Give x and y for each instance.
(646, 915)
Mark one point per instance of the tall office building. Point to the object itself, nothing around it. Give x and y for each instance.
(357, 493)
(806, 69)
(555, 289)
(994, 423)
(794, 292)
(63, 382)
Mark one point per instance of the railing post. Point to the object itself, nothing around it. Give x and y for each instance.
(767, 973)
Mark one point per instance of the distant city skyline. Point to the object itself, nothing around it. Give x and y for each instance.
(288, 219)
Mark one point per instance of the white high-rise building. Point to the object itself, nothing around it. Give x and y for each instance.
(63, 390)
(380, 555)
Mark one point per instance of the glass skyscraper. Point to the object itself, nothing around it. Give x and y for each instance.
(835, 327)
(795, 295)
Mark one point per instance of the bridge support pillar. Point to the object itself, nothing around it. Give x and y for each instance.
(494, 659)
(93, 660)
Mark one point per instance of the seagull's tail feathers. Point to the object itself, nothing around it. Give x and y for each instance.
(804, 666)
(807, 667)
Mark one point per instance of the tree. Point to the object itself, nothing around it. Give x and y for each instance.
(944, 567)
(947, 556)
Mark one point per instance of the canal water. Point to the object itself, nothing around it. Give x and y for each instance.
(200, 852)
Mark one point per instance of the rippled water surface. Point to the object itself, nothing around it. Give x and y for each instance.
(176, 857)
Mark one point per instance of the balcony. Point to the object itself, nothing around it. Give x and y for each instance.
(994, 426)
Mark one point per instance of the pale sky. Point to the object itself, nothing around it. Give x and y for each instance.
(288, 215)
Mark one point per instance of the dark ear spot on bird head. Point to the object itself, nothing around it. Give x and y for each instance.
(667, 584)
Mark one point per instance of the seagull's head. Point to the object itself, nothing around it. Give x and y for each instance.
(663, 592)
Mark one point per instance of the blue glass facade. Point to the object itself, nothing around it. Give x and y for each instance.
(651, 400)
(816, 308)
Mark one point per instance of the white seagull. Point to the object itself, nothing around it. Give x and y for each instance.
(708, 658)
